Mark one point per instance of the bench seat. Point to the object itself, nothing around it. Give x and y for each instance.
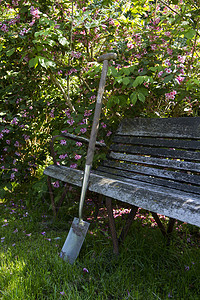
(170, 202)
(153, 164)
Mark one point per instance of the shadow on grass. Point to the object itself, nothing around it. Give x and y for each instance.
(145, 268)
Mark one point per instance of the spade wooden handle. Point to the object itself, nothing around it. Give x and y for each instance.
(107, 56)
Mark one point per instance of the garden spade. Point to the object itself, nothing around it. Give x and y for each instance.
(79, 228)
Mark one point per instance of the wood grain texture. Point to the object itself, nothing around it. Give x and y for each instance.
(153, 164)
(162, 200)
(185, 127)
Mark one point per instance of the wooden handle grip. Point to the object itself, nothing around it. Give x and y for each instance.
(107, 56)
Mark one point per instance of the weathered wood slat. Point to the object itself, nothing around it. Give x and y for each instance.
(182, 206)
(185, 127)
(162, 200)
(158, 142)
(65, 174)
(152, 163)
(159, 173)
(129, 176)
(158, 152)
(160, 162)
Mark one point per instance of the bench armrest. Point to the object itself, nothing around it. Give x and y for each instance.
(72, 137)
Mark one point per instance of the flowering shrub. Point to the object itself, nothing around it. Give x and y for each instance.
(49, 75)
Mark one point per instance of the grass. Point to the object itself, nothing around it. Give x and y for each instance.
(145, 269)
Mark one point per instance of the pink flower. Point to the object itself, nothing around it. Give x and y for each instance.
(179, 79)
(153, 47)
(85, 270)
(76, 54)
(4, 28)
(77, 157)
(12, 176)
(168, 70)
(169, 51)
(14, 121)
(63, 156)
(56, 184)
(156, 21)
(26, 137)
(103, 125)
(167, 62)
(32, 22)
(5, 130)
(79, 144)
(62, 293)
(35, 12)
(160, 73)
(130, 45)
(168, 33)
(181, 59)
(63, 142)
(83, 130)
(109, 133)
(170, 95)
(73, 166)
(70, 122)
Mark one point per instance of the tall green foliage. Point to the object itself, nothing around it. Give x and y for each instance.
(49, 75)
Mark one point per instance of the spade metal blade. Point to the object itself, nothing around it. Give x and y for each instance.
(74, 240)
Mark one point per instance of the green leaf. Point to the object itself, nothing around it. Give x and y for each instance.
(10, 52)
(50, 42)
(63, 41)
(39, 33)
(138, 80)
(125, 80)
(126, 71)
(133, 98)
(141, 97)
(143, 90)
(118, 79)
(1, 47)
(168, 78)
(113, 71)
(45, 62)
(190, 33)
(112, 101)
(33, 62)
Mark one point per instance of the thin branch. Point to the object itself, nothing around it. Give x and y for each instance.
(169, 7)
(177, 13)
(59, 86)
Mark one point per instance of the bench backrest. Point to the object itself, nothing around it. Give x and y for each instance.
(163, 151)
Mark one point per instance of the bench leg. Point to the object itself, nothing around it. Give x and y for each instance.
(112, 225)
(171, 225)
(170, 229)
(160, 225)
(166, 233)
(54, 207)
(129, 221)
(51, 195)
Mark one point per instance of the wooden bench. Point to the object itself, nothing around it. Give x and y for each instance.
(152, 164)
